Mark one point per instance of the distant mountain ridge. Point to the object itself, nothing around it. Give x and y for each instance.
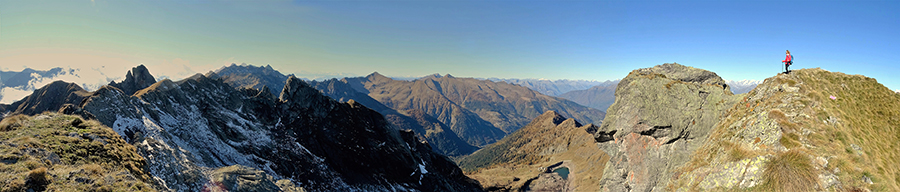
(742, 86)
(555, 87)
(479, 111)
(597, 97)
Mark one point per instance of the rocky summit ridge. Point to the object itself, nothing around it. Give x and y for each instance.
(809, 130)
(660, 116)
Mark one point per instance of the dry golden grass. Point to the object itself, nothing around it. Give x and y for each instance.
(789, 171)
(27, 150)
(12, 122)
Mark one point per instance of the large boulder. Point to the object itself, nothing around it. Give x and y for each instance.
(661, 115)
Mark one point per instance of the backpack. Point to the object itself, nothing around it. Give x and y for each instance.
(791, 61)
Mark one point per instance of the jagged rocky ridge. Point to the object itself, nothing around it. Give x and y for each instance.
(249, 76)
(136, 79)
(193, 131)
(552, 153)
(438, 134)
(660, 116)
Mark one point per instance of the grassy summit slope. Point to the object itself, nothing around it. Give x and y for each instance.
(65, 153)
(790, 134)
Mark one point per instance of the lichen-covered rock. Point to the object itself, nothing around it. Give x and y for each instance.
(661, 115)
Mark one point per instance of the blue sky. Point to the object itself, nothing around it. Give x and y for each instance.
(593, 40)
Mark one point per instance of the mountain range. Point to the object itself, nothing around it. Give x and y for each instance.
(193, 133)
(742, 86)
(479, 111)
(670, 128)
(454, 114)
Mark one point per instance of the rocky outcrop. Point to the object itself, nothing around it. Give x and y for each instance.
(51, 97)
(315, 142)
(810, 130)
(552, 153)
(137, 78)
(660, 116)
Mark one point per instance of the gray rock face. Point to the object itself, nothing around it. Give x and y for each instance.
(137, 78)
(660, 116)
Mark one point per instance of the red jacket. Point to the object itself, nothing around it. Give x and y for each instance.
(787, 58)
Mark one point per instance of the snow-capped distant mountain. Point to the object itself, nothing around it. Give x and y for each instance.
(742, 86)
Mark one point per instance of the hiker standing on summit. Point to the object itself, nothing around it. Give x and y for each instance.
(788, 60)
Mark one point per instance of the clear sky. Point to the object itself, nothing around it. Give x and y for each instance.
(593, 40)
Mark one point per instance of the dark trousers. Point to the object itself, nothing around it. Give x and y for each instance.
(786, 67)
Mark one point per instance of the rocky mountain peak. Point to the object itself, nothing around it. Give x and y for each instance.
(551, 118)
(51, 97)
(683, 73)
(137, 78)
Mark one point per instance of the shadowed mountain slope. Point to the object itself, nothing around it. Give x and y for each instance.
(533, 158)
(439, 135)
(479, 111)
